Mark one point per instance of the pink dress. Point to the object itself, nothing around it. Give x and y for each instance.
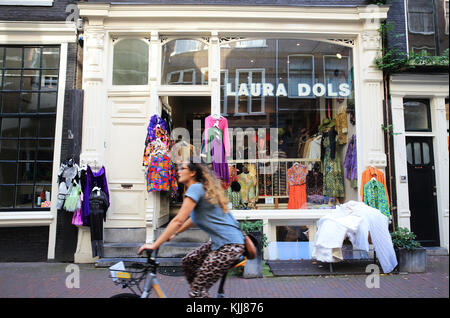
(223, 125)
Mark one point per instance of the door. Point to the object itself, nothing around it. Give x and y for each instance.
(422, 190)
(126, 132)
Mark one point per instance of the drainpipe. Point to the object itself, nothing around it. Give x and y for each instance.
(388, 137)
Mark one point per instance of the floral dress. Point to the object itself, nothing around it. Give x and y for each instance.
(333, 182)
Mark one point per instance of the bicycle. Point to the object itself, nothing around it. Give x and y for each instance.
(135, 273)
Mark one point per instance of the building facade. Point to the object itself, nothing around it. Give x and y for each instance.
(285, 70)
(419, 105)
(285, 75)
(38, 58)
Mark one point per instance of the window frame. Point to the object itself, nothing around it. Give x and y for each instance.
(428, 109)
(25, 115)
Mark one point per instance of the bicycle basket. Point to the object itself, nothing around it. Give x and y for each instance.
(127, 273)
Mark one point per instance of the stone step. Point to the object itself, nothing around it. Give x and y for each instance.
(177, 249)
(121, 249)
(124, 235)
(191, 235)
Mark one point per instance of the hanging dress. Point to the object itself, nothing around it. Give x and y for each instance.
(296, 184)
(333, 183)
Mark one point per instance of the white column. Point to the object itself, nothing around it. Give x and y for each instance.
(441, 161)
(401, 164)
(370, 101)
(94, 108)
(153, 199)
(94, 117)
(214, 72)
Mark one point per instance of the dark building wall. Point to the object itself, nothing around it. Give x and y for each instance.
(23, 244)
(397, 37)
(57, 12)
(31, 243)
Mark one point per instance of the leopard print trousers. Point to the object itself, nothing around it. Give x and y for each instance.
(203, 267)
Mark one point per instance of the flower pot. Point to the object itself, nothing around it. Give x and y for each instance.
(412, 261)
(253, 267)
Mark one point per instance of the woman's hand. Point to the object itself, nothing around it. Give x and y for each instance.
(146, 247)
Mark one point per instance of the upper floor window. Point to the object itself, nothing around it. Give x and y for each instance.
(421, 16)
(185, 62)
(130, 62)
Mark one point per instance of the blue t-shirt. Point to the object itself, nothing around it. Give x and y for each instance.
(221, 227)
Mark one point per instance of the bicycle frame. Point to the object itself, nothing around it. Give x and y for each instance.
(152, 282)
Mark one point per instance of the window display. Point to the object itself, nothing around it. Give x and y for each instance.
(289, 106)
(286, 126)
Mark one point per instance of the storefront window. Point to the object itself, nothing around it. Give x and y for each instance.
(130, 63)
(28, 96)
(185, 62)
(289, 107)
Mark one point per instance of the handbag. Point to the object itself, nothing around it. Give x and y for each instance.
(251, 244)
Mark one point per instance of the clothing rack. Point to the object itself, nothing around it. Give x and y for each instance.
(271, 174)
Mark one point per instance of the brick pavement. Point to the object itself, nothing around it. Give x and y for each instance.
(48, 280)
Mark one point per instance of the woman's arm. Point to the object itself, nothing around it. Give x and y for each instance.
(177, 223)
(186, 225)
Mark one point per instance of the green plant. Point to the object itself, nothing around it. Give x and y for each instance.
(404, 238)
(389, 129)
(254, 226)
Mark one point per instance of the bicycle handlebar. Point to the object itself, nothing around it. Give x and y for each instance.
(150, 252)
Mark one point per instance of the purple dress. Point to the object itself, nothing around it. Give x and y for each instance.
(350, 162)
(219, 162)
(93, 179)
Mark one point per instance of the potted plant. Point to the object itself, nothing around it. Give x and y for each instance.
(411, 257)
(253, 267)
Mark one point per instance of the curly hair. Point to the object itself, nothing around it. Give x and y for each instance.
(214, 192)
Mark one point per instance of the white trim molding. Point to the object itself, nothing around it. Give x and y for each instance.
(46, 33)
(34, 3)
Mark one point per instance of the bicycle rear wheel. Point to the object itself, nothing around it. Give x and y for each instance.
(125, 295)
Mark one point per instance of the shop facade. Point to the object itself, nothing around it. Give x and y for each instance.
(274, 71)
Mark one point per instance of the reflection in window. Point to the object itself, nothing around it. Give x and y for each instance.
(301, 71)
(130, 62)
(185, 62)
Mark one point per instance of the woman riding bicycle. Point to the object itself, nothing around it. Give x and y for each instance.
(204, 205)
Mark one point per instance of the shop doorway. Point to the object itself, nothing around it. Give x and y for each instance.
(422, 190)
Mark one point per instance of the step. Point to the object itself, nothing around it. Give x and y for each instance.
(191, 235)
(124, 235)
(121, 249)
(177, 249)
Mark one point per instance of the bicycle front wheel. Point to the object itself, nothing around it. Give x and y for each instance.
(126, 295)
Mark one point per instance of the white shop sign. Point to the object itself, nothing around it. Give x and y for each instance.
(304, 89)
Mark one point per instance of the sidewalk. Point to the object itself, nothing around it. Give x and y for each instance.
(48, 280)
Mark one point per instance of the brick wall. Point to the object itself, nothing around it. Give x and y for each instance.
(23, 244)
(397, 38)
